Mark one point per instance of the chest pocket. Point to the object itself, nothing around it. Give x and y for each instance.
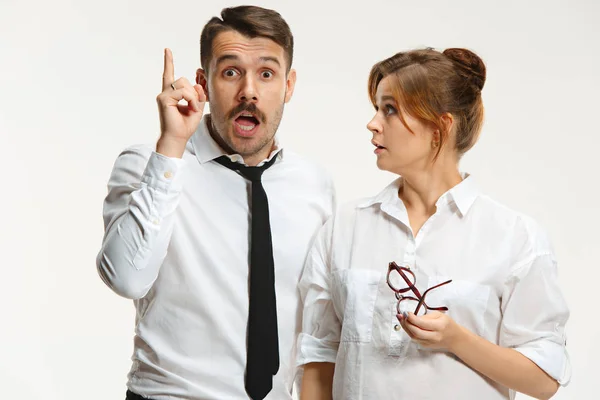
(357, 291)
(467, 301)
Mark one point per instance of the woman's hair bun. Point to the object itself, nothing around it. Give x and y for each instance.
(471, 66)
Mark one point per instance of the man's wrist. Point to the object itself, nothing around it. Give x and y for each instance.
(171, 147)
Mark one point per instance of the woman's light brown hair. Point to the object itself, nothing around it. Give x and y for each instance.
(427, 84)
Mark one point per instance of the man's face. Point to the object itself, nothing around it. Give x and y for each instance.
(247, 87)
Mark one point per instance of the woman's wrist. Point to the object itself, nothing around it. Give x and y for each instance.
(459, 339)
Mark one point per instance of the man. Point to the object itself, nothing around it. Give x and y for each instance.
(208, 231)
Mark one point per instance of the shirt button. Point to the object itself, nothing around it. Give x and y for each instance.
(397, 327)
(168, 174)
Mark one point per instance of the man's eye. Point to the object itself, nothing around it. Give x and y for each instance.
(229, 73)
(267, 74)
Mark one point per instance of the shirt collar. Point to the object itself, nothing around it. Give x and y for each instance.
(388, 195)
(206, 149)
(463, 195)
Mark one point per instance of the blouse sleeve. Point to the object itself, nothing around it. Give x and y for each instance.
(320, 336)
(535, 314)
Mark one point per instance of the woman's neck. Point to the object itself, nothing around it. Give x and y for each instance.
(421, 190)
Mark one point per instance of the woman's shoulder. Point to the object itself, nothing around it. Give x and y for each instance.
(529, 236)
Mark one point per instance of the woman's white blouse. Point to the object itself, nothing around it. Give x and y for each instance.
(504, 288)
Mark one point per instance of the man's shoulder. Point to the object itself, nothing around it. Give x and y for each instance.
(305, 163)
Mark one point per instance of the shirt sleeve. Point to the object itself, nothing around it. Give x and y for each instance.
(143, 193)
(320, 336)
(534, 316)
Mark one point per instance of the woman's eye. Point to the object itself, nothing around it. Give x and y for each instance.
(389, 110)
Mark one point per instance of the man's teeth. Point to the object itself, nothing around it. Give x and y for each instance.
(246, 127)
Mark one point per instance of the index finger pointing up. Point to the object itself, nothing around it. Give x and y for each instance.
(168, 73)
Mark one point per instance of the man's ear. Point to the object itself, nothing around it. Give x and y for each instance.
(202, 80)
(290, 84)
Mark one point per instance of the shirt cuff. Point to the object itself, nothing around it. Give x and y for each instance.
(163, 173)
(311, 349)
(551, 357)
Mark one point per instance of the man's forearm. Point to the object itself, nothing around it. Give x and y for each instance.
(125, 263)
(139, 217)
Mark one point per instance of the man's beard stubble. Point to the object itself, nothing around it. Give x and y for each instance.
(218, 124)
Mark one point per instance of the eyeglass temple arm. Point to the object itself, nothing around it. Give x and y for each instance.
(422, 299)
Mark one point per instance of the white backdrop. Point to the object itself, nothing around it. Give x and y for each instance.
(78, 83)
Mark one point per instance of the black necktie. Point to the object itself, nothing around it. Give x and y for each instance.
(262, 357)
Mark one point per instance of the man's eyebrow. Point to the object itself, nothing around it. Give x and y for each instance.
(233, 57)
(227, 57)
(270, 58)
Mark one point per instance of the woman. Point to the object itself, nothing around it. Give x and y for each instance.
(492, 323)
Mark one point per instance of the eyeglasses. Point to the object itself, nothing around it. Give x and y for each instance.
(408, 285)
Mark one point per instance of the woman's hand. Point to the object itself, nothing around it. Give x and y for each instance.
(504, 365)
(433, 330)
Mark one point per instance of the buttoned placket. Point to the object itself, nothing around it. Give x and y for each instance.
(398, 338)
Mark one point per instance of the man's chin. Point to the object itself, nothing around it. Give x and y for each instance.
(248, 146)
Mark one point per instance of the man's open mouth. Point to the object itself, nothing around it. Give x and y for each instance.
(246, 121)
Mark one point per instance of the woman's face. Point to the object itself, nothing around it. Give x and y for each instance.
(398, 149)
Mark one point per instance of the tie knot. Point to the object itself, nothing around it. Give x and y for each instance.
(251, 173)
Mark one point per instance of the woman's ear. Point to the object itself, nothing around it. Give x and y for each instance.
(447, 120)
